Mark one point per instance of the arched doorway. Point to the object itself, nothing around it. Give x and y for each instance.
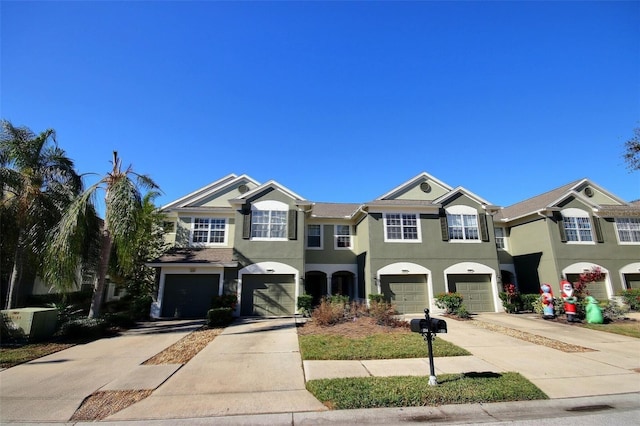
(315, 284)
(342, 283)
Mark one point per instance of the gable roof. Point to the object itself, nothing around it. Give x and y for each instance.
(412, 182)
(550, 200)
(461, 190)
(272, 184)
(208, 190)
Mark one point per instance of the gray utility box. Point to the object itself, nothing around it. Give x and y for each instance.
(34, 323)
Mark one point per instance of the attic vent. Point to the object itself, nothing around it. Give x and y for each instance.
(588, 192)
(425, 187)
(243, 188)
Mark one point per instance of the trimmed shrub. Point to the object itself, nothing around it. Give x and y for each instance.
(528, 301)
(119, 320)
(612, 311)
(378, 298)
(224, 301)
(304, 304)
(219, 317)
(632, 298)
(450, 302)
(84, 328)
(463, 313)
(338, 298)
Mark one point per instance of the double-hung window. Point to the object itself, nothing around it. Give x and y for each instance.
(208, 231)
(577, 226)
(314, 236)
(269, 224)
(403, 227)
(501, 238)
(628, 230)
(462, 223)
(342, 236)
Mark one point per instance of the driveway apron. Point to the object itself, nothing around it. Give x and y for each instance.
(253, 367)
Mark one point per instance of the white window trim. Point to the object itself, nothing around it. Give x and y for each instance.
(573, 212)
(503, 237)
(192, 229)
(461, 210)
(624, 243)
(401, 240)
(306, 237)
(271, 205)
(335, 237)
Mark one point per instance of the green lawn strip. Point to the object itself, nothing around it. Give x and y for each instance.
(412, 391)
(377, 346)
(631, 328)
(10, 356)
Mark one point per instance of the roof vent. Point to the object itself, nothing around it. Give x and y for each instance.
(425, 187)
(243, 188)
(588, 192)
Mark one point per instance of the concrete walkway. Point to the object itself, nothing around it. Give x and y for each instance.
(253, 373)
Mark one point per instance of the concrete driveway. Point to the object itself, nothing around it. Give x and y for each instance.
(51, 388)
(254, 366)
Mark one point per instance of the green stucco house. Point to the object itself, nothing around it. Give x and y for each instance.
(268, 245)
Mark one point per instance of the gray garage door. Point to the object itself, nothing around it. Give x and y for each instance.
(475, 289)
(407, 292)
(596, 289)
(189, 296)
(268, 295)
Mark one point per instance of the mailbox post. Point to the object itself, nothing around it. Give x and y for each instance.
(429, 327)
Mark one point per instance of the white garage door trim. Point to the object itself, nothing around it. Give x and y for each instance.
(156, 307)
(581, 267)
(464, 268)
(407, 268)
(632, 268)
(268, 268)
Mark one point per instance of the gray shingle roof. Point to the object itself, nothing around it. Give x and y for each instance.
(334, 210)
(210, 256)
(535, 203)
(419, 203)
(631, 210)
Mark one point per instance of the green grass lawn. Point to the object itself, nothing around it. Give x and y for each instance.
(626, 328)
(410, 391)
(10, 356)
(377, 346)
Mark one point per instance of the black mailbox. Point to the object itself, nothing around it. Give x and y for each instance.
(432, 325)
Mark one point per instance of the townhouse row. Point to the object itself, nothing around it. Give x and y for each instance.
(268, 245)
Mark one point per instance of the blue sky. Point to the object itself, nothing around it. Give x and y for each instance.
(338, 101)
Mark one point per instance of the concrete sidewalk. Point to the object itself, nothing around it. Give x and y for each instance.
(611, 366)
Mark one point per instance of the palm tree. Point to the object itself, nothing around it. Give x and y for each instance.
(123, 204)
(37, 181)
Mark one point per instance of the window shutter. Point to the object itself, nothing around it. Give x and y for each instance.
(293, 225)
(444, 225)
(484, 230)
(246, 224)
(598, 229)
(563, 233)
